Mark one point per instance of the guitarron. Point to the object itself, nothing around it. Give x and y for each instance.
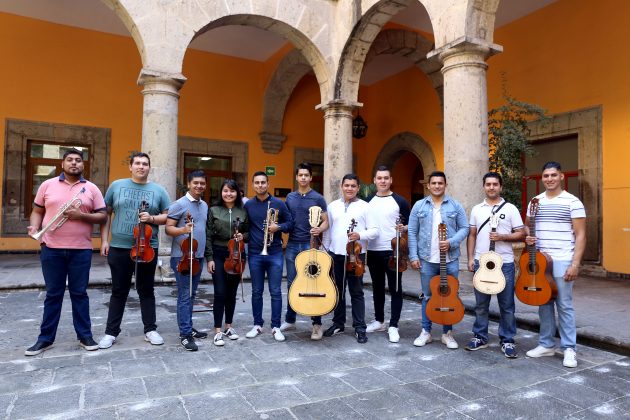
(489, 278)
(535, 285)
(444, 307)
(313, 292)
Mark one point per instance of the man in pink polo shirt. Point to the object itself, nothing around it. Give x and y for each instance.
(66, 249)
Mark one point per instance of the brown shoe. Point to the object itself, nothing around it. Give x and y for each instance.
(317, 333)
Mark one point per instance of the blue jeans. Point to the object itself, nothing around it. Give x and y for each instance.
(564, 306)
(57, 264)
(185, 302)
(291, 251)
(427, 272)
(507, 322)
(272, 265)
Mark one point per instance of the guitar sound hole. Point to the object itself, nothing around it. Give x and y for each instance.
(490, 265)
(445, 290)
(312, 270)
(532, 268)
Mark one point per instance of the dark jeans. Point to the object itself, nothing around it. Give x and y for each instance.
(185, 301)
(122, 268)
(258, 266)
(355, 286)
(507, 322)
(225, 289)
(378, 262)
(294, 248)
(57, 264)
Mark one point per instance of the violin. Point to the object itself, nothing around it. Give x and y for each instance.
(142, 251)
(354, 264)
(189, 265)
(234, 262)
(399, 259)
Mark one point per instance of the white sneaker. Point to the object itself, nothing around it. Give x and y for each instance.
(254, 332)
(106, 342)
(317, 333)
(230, 333)
(394, 337)
(154, 338)
(541, 351)
(423, 339)
(570, 359)
(449, 340)
(218, 339)
(287, 326)
(375, 326)
(277, 334)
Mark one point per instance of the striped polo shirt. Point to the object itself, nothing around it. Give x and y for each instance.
(554, 228)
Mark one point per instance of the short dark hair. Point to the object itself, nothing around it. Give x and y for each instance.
(259, 173)
(438, 174)
(197, 174)
(382, 168)
(493, 175)
(552, 165)
(140, 155)
(304, 165)
(231, 184)
(351, 176)
(72, 151)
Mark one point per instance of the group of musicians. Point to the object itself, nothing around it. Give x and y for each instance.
(66, 208)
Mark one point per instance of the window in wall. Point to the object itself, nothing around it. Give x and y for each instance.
(216, 168)
(43, 161)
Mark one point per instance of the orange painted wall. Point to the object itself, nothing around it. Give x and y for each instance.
(404, 102)
(56, 73)
(569, 55)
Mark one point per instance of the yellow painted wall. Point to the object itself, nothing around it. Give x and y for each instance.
(569, 55)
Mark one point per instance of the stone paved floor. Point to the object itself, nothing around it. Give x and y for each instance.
(259, 378)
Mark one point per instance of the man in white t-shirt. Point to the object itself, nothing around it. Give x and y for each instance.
(561, 233)
(391, 213)
(510, 229)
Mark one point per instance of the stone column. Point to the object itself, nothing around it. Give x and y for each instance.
(159, 136)
(465, 118)
(337, 146)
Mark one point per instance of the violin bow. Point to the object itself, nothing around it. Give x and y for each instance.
(240, 260)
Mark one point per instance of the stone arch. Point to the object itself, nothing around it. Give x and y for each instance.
(480, 17)
(415, 47)
(406, 142)
(291, 69)
(120, 8)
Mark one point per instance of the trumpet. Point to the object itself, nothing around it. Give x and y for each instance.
(59, 219)
(272, 217)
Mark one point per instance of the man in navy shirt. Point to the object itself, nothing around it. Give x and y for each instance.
(298, 203)
(257, 209)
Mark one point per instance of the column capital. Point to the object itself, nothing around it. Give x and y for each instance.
(160, 82)
(272, 142)
(338, 107)
(476, 49)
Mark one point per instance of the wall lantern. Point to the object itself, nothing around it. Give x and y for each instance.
(359, 127)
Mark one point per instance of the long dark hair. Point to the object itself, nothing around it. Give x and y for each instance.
(231, 184)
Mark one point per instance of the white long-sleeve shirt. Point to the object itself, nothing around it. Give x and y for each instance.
(340, 215)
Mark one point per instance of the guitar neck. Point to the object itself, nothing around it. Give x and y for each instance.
(532, 248)
(443, 281)
(491, 241)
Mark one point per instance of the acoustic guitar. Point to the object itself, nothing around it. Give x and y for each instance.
(535, 285)
(489, 278)
(444, 307)
(313, 292)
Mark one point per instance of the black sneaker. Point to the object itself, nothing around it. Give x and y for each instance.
(333, 330)
(509, 350)
(189, 343)
(37, 348)
(361, 337)
(199, 334)
(88, 343)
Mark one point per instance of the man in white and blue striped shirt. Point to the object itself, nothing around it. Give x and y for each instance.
(561, 233)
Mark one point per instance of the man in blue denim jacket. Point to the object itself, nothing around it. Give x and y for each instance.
(424, 246)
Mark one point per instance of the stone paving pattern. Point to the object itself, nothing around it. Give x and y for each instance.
(262, 379)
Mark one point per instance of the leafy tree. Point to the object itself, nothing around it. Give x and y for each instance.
(508, 134)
